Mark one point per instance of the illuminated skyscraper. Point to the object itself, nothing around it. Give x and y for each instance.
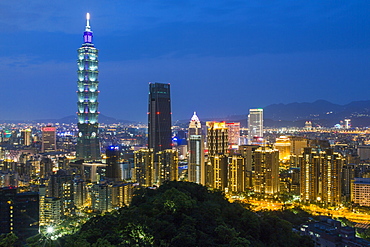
(48, 139)
(168, 161)
(284, 146)
(217, 138)
(26, 137)
(114, 171)
(159, 117)
(266, 170)
(255, 124)
(361, 191)
(196, 167)
(236, 173)
(321, 175)
(233, 134)
(144, 167)
(88, 140)
(217, 164)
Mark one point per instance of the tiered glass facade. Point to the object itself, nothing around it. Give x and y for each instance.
(87, 104)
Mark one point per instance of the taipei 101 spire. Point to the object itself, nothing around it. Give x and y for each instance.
(88, 147)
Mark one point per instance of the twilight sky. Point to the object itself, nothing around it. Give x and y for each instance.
(221, 57)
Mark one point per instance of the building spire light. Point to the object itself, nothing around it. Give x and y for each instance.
(195, 117)
(88, 22)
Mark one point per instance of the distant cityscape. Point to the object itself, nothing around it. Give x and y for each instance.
(52, 172)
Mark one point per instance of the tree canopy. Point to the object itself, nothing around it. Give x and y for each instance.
(184, 214)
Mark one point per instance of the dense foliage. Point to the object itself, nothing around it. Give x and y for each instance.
(184, 214)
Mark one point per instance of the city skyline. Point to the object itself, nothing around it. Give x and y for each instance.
(254, 54)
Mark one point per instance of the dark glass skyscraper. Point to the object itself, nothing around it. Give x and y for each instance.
(113, 163)
(159, 117)
(88, 139)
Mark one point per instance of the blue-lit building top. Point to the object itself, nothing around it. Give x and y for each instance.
(88, 147)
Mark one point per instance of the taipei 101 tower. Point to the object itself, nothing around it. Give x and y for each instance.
(88, 147)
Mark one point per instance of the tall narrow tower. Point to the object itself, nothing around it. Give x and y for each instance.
(255, 124)
(88, 139)
(159, 117)
(196, 169)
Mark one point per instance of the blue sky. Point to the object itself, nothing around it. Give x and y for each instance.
(221, 57)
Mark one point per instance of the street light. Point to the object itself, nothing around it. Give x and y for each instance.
(49, 229)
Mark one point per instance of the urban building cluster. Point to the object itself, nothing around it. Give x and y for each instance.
(49, 172)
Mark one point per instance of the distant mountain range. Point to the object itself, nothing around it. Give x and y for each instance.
(320, 112)
(70, 119)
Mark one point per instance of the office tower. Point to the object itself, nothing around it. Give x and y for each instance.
(144, 167)
(49, 142)
(217, 138)
(284, 146)
(88, 147)
(266, 170)
(159, 117)
(361, 191)
(233, 133)
(113, 163)
(168, 161)
(196, 168)
(26, 137)
(321, 175)
(236, 173)
(46, 167)
(255, 124)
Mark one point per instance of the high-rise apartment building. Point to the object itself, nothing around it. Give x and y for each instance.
(266, 176)
(48, 139)
(247, 151)
(159, 117)
(217, 138)
(101, 197)
(217, 144)
(217, 171)
(361, 191)
(321, 175)
(236, 173)
(196, 168)
(50, 209)
(255, 124)
(233, 134)
(168, 161)
(144, 167)
(348, 175)
(19, 212)
(88, 147)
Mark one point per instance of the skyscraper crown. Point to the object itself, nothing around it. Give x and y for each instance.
(195, 117)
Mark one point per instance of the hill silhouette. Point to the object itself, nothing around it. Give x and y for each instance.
(184, 214)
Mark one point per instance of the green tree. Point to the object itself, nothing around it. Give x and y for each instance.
(8, 240)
